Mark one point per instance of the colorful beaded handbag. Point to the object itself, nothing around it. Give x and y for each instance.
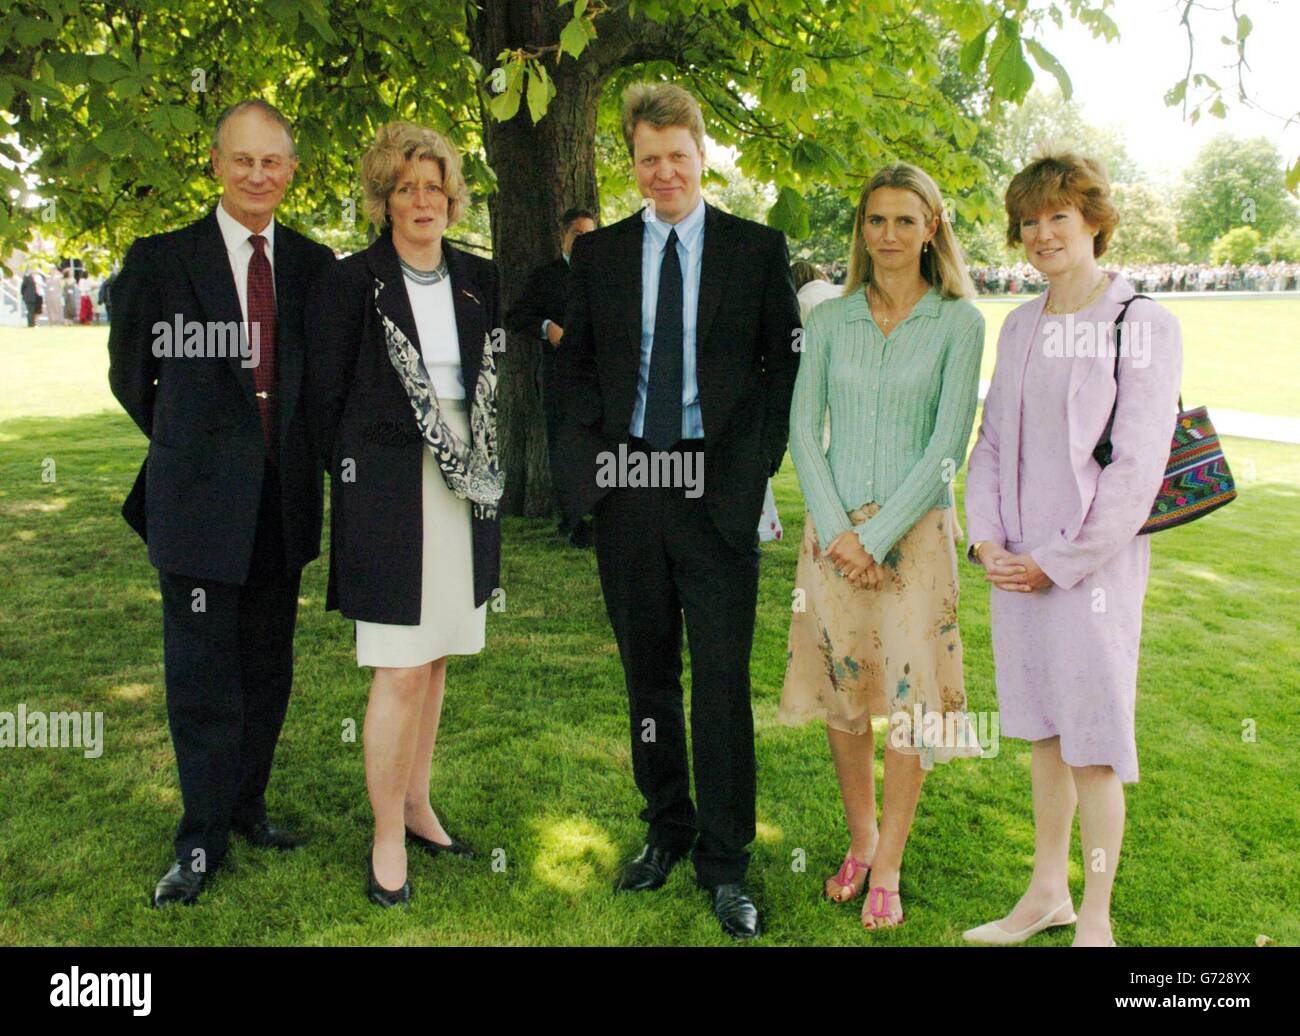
(1197, 479)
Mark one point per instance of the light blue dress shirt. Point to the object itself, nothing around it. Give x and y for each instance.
(690, 253)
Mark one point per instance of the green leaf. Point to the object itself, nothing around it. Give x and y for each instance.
(1176, 93)
(1009, 72)
(85, 158)
(800, 160)
(285, 14)
(315, 15)
(70, 68)
(32, 31)
(114, 141)
(104, 69)
(539, 91)
(1244, 25)
(182, 118)
(790, 213)
(573, 39)
(505, 104)
(972, 53)
(1048, 63)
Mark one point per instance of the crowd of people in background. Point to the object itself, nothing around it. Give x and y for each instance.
(58, 296)
(1148, 277)
(1023, 279)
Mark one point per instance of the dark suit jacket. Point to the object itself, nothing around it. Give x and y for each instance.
(195, 500)
(543, 298)
(362, 413)
(746, 362)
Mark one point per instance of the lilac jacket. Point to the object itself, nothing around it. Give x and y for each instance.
(1116, 500)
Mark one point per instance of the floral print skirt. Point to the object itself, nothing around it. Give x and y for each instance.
(895, 652)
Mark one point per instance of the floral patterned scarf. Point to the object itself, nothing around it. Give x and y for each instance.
(471, 470)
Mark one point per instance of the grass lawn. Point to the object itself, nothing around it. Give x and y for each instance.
(1237, 353)
(533, 764)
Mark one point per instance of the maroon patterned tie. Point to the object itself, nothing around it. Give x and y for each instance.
(261, 314)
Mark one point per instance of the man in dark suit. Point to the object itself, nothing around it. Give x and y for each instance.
(31, 297)
(206, 355)
(539, 311)
(680, 349)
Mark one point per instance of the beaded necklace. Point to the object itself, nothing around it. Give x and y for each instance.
(424, 276)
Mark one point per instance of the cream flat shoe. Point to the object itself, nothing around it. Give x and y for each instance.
(992, 935)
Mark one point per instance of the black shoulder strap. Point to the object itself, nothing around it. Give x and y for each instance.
(1119, 320)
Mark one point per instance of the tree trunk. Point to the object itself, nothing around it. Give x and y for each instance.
(541, 170)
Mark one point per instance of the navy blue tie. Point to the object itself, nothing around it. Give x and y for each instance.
(663, 403)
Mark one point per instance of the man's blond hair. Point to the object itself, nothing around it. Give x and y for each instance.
(661, 104)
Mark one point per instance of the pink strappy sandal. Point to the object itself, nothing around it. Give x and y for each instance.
(878, 906)
(844, 877)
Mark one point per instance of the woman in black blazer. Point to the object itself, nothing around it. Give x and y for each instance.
(402, 378)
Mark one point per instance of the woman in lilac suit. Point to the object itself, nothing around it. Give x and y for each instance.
(1057, 534)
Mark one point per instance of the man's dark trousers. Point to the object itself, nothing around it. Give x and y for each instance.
(229, 671)
(659, 555)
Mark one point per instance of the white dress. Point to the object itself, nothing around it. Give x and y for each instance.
(449, 622)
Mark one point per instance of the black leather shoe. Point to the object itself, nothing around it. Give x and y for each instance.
(648, 871)
(182, 884)
(736, 912)
(456, 847)
(268, 836)
(580, 535)
(381, 896)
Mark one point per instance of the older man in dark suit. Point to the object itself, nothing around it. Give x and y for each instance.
(206, 355)
(680, 355)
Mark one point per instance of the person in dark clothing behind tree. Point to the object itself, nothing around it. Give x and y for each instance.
(539, 312)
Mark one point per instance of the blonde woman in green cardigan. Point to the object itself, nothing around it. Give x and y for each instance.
(896, 360)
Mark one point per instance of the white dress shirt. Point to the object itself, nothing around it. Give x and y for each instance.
(813, 293)
(435, 325)
(240, 251)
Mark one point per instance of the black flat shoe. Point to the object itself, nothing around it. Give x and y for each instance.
(736, 912)
(648, 870)
(182, 884)
(268, 836)
(379, 895)
(456, 847)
